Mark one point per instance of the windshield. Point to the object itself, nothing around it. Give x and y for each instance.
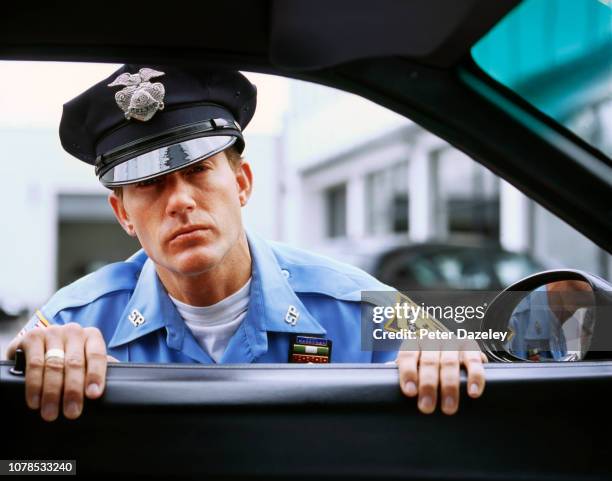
(557, 55)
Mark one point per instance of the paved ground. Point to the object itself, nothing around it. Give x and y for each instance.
(8, 329)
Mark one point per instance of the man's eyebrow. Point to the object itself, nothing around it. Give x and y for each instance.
(210, 158)
(199, 162)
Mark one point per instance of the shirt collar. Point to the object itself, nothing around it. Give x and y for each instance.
(273, 304)
(273, 300)
(149, 309)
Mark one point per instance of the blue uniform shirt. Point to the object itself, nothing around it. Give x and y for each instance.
(139, 322)
(537, 335)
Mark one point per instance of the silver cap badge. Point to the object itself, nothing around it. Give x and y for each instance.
(140, 99)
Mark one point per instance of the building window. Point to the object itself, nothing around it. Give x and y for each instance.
(88, 237)
(471, 193)
(387, 200)
(478, 216)
(335, 211)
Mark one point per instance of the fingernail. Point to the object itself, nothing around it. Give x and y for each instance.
(49, 412)
(411, 388)
(35, 402)
(449, 403)
(426, 403)
(93, 389)
(474, 389)
(72, 410)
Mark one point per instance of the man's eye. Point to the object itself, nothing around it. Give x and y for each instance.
(148, 182)
(196, 169)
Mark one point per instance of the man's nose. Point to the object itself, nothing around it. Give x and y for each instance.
(180, 196)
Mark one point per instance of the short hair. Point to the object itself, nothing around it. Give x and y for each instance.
(234, 157)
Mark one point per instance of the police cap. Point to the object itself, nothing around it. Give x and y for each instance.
(142, 122)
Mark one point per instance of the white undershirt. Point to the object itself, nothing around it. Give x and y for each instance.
(213, 326)
(577, 331)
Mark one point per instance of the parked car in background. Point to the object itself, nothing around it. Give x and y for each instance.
(452, 266)
(445, 265)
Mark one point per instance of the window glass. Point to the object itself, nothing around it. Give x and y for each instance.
(556, 55)
(375, 183)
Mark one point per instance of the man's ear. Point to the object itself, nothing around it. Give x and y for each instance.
(244, 179)
(116, 203)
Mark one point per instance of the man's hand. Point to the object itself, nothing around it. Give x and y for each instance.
(566, 297)
(51, 380)
(421, 372)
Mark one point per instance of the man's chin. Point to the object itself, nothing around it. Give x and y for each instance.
(195, 261)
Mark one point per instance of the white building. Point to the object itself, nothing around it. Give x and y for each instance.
(364, 177)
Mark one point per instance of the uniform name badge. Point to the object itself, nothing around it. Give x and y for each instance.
(307, 350)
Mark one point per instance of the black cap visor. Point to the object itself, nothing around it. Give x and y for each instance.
(165, 160)
(167, 152)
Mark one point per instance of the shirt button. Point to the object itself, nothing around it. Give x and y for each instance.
(285, 273)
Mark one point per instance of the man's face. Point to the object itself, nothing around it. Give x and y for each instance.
(187, 221)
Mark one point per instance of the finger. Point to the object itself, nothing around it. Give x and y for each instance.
(95, 354)
(449, 381)
(407, 365)
(33, 345)
(475, 373)
(53, 377)
(74, 370)
(471, 345)
(429, 364)
(13, 346)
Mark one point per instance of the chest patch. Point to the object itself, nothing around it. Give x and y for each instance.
(309, 350)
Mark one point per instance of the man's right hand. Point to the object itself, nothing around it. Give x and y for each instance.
(51, 380)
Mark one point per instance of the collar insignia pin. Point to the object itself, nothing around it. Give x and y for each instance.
(136, 318)
(139, 98)
(292, 315)
(538, 328)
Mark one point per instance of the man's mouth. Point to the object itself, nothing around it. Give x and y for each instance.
(187, 233)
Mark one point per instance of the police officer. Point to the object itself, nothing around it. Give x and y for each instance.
(553, 323)
(168, 143)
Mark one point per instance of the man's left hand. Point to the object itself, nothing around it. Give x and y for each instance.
(422, 372)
